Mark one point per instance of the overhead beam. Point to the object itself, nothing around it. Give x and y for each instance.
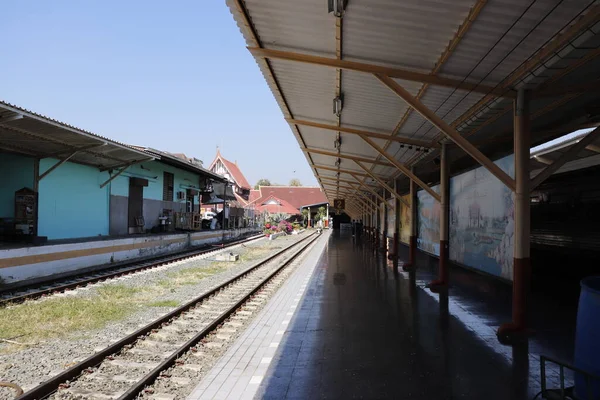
(381, 182)
(343, 171)
(343, 129)
(331, 178)
(76, 149)
(127, 164)
(565, 157)
(400, 73)
(373, 192)
(56, 165)
(119, 172)
(449, 131)
(402, 168)
(346, 156)
(543, 160)
(593, 147)
(12, 118)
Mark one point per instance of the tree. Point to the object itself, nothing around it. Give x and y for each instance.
(262, 182)
(295, 182)
(321, 213)
(305, 215)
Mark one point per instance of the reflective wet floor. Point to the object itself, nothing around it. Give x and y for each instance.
(365, 331)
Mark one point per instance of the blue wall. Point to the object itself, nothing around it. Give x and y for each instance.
(153, 171)
(17, 173)
(71, 202)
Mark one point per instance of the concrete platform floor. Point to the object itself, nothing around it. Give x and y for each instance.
(362, 330)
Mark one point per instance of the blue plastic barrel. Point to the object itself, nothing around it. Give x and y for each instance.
(587, 338)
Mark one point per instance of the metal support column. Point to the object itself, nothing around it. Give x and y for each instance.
(412, 241)
(393, 255)
(522, 264)
(442, 280)
(384, 222)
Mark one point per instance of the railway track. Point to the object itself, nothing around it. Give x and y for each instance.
(124, 369)
(74, 282)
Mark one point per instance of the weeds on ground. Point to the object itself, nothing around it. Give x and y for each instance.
(34, 321)
(164, 303)
(193, 275)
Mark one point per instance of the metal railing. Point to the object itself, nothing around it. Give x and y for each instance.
(563, 392)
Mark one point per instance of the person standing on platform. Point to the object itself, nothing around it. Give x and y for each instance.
(353, 224)
(359, 228)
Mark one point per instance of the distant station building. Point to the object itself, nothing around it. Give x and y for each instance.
(284, 201)
(71, 199)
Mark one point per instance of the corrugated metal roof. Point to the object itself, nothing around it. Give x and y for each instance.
(26, 132)
(498, 47)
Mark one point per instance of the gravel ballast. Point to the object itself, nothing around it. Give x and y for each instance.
(29, 365)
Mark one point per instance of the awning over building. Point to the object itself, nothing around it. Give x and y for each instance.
(30, 134)
(221, 192)
(175, 161)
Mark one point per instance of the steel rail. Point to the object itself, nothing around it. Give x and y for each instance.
(115, 272)
(50, 386)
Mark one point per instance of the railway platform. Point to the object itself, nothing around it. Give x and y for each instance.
(350, 325)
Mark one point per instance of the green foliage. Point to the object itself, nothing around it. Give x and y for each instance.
(262, 182)
(295, 182)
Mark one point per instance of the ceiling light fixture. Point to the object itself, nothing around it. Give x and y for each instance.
(337, 143)
(338, 104)
(337, 7)
(410, 147)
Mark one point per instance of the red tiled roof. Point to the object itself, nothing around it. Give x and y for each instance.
(282, 208)
(254, 195)
(297, 196)
(233, 169)
(240, 199)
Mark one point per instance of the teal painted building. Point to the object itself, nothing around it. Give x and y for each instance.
(73, 204)
(81, 185)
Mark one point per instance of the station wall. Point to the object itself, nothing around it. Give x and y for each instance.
(428, 222)
(17, 174)
(153, 205)
(405, 220)
(71, 202)
(481, 221)
(29, 264)
(391, 217)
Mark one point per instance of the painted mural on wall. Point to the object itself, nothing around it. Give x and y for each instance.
(381, 216)
(405, 220)
(482, 220)
(391, 217)
(428, 222)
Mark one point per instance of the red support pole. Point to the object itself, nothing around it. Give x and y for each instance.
(443, 274)
(522, 263)
(412, 241)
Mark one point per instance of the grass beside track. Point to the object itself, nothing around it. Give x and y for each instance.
(32, 322)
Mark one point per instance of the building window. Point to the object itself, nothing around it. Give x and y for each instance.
(168, 180)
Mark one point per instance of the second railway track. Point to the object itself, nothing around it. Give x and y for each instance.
(81, 280)
(123, 369)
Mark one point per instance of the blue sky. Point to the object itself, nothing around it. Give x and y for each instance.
(173, 76)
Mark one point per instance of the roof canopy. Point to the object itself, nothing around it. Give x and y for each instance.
(31, 134)
(408, 72)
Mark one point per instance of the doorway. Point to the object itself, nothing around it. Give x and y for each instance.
(135, 206)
